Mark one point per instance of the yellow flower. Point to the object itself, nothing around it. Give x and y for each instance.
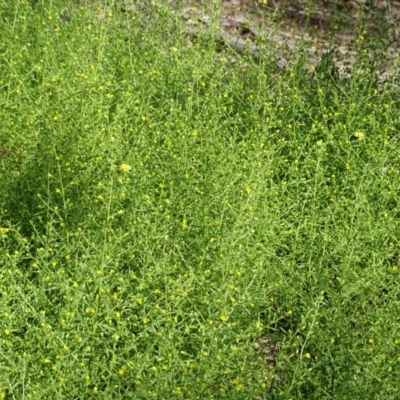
(125, 168)
(359, 135)
(4, 231)
(177, 390)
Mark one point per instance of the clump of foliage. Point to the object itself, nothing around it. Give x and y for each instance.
(177, 226)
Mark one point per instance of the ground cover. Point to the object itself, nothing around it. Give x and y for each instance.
(181, 221)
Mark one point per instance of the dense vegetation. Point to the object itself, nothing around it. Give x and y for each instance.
(176, 224)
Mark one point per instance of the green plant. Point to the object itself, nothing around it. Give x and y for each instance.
(164, 212)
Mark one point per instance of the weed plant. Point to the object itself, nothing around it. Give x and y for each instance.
(175, 224)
